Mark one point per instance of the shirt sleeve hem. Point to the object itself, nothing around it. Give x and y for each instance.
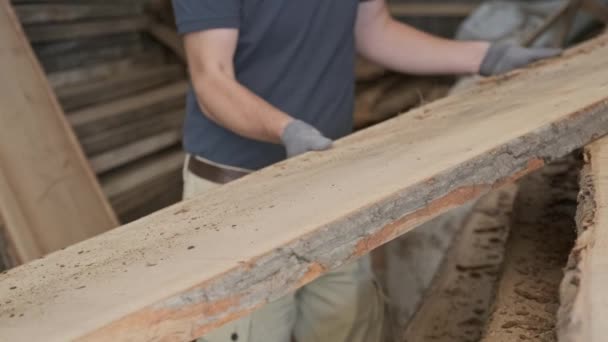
(201, 24)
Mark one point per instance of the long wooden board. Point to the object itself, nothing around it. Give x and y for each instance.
(42, 13)
(178, 273)
(81, 95)
(49, 198)
(64, 31)
(114, 158)
(583, 315)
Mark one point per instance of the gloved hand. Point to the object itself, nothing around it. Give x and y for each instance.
(503, 57)
(300, 137)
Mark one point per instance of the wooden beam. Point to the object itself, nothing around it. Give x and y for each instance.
(169, 37)
(446, 9)
(44, 13)
(114, 158)
(120, 183)
(102, 117)
(65, 31)
(49, 198)
(136, 186)
(179, 273)
(90, 56)
(106, 70)
(125, 134)
(129, 82)
(583, 315)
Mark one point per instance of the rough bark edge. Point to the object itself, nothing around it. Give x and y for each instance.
(573, 314)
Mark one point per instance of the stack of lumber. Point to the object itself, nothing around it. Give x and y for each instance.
(382, 94)
(122, 92)
(182, 271)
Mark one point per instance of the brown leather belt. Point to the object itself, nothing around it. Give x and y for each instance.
(213, 173)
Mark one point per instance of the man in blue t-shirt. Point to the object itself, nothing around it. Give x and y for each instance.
(272, 79)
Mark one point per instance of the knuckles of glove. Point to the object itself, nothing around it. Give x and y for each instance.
(504, 57)
(300, 137)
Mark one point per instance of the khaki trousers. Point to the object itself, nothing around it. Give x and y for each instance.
(344, 305)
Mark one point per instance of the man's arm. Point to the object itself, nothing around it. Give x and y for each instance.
(224, 100)
(400, 47)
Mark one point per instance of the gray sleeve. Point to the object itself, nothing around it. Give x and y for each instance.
(199, 15)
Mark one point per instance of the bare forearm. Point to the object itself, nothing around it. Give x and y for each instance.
(402, 48)
(239, 110)
(221, 97)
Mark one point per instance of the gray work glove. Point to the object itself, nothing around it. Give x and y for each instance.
(300, 137)
(503, 57)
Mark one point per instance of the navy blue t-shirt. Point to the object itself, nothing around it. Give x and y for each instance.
(296, 54)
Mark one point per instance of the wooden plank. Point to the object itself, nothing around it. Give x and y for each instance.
(154, 196)
(119, 183)
(44, 13)
(168, 36)
(131, 132)
(49, 198)
(56, 49)
(112, 159)
(266, 234)
(105, 70)
(90, 55)
(584, 302)
(135, 187)
(112, 114)
(446, 9)
(65, 31)
(130, 82)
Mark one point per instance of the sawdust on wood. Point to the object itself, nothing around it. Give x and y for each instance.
(542, 235)
(459, 301)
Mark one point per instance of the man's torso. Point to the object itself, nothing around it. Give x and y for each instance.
(297, 55)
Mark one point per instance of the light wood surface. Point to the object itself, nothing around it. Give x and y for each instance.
(106, 70)
(583, 315)
(49, 197)
(180, 272)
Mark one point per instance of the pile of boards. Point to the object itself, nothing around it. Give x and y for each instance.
(382, 94)
(122, 92)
